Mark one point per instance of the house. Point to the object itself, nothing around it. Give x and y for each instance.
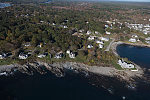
(123, 64)
(23, 56)
(134, 36)
(42, 55)
(71, 54)
(148, 42)
(41, 21)
(65, 26)
(100, 46)
(104, 39)
(148, 38)
(2, 56)
(99, 42)
(27, 44)
(58, 55)
(106, 26)
(132, 40)
(81, 30)
(91, 38)
(108, 33)
(68, 51)
(96, 32)
(90, 46)
(88, 32)
(53, 24)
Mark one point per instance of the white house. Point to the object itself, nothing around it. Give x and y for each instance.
(104, 39)
(91, 38)
(23, 56)
(106, 26)
(96, 32)
(65, 26)
(71, 54)
(88, 32)
(108, 33)
(41, 55)
(148, 42)
(99, 42)
(100, 46)
(90, 46)
(82, 30)
(148, 38)
(123, 64)
(132, 40)
(2, 56)
(53, 24)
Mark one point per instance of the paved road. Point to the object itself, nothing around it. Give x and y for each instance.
(109, 46)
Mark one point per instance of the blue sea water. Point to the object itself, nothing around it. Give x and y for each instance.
(3, 5)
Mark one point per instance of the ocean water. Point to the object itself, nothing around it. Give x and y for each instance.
(71, 87)
(3, 5)
(49, 87)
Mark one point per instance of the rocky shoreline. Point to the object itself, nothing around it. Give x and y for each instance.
(58, 69)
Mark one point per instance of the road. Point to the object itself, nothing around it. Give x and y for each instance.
(109, 46)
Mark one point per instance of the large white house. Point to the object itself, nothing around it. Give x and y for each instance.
(123, 64)
(132, 40)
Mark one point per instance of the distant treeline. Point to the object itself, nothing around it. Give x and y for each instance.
(24, 1)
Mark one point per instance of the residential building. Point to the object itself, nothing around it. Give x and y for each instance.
(132, 40)
(23, 56)
(90, 46)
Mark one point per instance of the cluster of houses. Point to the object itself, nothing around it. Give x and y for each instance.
(147, 40)
(140, 27)
(98, 40)
(134, 38)
(57, 55)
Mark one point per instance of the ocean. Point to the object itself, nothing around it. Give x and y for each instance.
(3, 5)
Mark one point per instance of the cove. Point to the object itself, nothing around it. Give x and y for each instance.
(3, 5)
(136, 54)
